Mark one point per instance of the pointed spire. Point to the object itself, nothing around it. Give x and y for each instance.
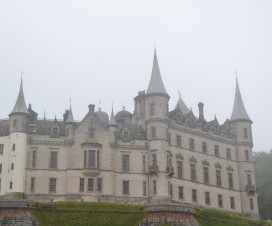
(20, 106)
(70, 117)
(112, 119)
(239, 111)
(182, 106)
(156, 83)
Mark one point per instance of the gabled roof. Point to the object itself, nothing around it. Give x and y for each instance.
(20, 105)
(156, 83)
(239, 111)
(182, 106)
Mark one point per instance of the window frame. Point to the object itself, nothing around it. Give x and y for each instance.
(52, 185)
(125, 187)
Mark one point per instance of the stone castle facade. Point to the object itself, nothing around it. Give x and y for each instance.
(151, 156)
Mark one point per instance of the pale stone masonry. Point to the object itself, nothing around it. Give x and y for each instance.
(151, 156)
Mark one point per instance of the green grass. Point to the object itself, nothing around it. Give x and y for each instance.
(87, 213)
(206, 217)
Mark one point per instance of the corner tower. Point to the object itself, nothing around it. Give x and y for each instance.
(19, 118)
(156, 121)
(240, 124)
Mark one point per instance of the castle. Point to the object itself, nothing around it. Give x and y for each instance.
(151, 156)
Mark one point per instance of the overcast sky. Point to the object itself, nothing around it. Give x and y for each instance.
(93, 51)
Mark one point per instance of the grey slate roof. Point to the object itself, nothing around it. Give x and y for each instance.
(156, 83)
(239, 111)
(112, 119)
(103, 116)
(20, 106)
(70, 117)
(182, 106)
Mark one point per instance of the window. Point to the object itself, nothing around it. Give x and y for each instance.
(232, 203)
(228, 154)
(55, 132)
(170, 191)
(152, 109)
(32, 184)
(13, 147)
(15, 124)
(125, 163)
(52, 185)
(169, 160)
(126, 136)
(179, 166)
(154, 187)
(251, 204)
(91, 133)
(249, 181)
(193, 172)
(218, 178)
(53, 159)
(90, 159)
(216, 150)
(247, 155)
(192, 144)
(245, 133)
(154, 159)
(125, 187)
(207, 198)
(90, 184)
(10, 185)
(204, 147)
(1, 168)
(153, 132)
(12, 166)
(230, 180)
(220, 201)
(169, 138)
(81, 184)
(99, 184)
(178, 140)
(144, 163)
(144, 188)
(206, 175)
(181, 192)
(194, 195)
(1, 149)
(33, 159)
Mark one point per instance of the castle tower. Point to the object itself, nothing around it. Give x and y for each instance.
(156, 120)
(240, 124)
(19, 118)
(70, 125)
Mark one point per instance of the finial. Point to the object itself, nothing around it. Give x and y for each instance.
(44, 114)
(99, 108)
(124, 107)
(154, 44)
(70, 103)
(179, 93)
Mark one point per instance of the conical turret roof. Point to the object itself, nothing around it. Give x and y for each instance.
(182, 106)
(156, 84)
(112, 119)
(20, 105)
(239, 111)
(70, 117)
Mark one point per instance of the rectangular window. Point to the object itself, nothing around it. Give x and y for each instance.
(99, 184)
(55, 132)
(1, 149)
(220, 201)
(52, 185)
(228, 154)
(126, 136)
(170, 191)
(81, 184)
(153, 132)
(194, 195)
(245, 133)
(218, 178)
(232, 203)
(53, 159)
(33, 159)
(154, 159)
(193, 172)
(216, 150)
(204, 147)
(206, 175)
(144, 188)
(90, 184)
(125, 163)
(90, 159)
(0, 168)
(32, 184)
(125, 187)
(154, 187)
(249, 181)
(192, 144)
(178, 140)
(144, 163)
(179, 166)
(181, 192)
(247, 155)
(207, 198)
(91, 133)
(230, 180)
(251, 204)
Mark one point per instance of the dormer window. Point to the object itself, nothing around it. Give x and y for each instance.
(126, 136)
(55, 131)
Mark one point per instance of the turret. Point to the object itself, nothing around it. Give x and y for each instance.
(112, 128)
(70, 125)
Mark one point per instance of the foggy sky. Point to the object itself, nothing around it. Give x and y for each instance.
(93, 51)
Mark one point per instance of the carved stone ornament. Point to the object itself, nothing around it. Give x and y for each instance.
(229, 168)
(179, 156)
(205, 162)
(218, 165)
(193, 159)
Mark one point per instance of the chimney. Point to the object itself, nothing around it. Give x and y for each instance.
(201, 113)
(91, 108)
